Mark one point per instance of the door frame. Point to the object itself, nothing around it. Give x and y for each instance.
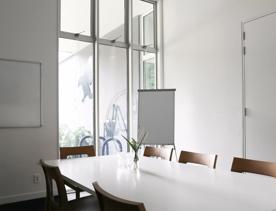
(243, 54)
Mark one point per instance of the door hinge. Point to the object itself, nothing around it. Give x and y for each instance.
(243, 35)
(245, 111)
(244, 50)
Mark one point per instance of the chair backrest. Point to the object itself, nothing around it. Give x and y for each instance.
(52, 173)
(198, 158)
(254, 166)
(82, 150)
(163, 153)
(109, 202)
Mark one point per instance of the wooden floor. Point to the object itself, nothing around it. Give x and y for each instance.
(31, 205)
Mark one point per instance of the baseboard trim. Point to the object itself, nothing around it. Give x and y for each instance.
(22, 197)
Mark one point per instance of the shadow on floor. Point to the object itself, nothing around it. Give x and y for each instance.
(30, 205)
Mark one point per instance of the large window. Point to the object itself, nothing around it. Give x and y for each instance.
(98, 52)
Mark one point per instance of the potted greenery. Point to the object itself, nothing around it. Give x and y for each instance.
(135, 145)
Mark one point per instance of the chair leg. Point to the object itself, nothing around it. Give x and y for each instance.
(77, 194)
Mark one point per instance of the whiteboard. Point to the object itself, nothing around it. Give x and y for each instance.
(156, 110)
(20, 93)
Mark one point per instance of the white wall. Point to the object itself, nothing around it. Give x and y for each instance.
(202, 51)
(29, 32)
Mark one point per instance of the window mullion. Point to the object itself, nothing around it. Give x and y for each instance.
(159, 45)
(78, 37)
(142, 48)
(128, 35)
(114, 44)
(96, 130)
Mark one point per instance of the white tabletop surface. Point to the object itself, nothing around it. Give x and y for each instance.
(169, 186)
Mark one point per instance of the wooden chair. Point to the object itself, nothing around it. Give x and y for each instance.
(61, 203)
(108, 202)
(83, 150)
(254, 166)
(163, 153)
(198, 158)
(71, 151)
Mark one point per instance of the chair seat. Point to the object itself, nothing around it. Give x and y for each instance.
(83, 204)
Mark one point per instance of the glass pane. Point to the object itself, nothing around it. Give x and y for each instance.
(148, 30)
(75, 16)
(149, 73)
(111, 20)
(75, 93)
(143, 77)
(143, 24)
(112, 99)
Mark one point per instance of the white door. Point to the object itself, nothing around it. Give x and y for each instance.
(260, 88)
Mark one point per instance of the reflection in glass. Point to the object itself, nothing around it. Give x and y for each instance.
(148, 30)
(142, 23)
(75, 93)
(112, 100)
(149, 75)
(75, 16)
(111, 20)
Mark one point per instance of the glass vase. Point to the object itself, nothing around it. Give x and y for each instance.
(136, 160)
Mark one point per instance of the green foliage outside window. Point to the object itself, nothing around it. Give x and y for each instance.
(149, 74)
(69, 137)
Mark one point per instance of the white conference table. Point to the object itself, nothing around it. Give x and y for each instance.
(169, 186)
